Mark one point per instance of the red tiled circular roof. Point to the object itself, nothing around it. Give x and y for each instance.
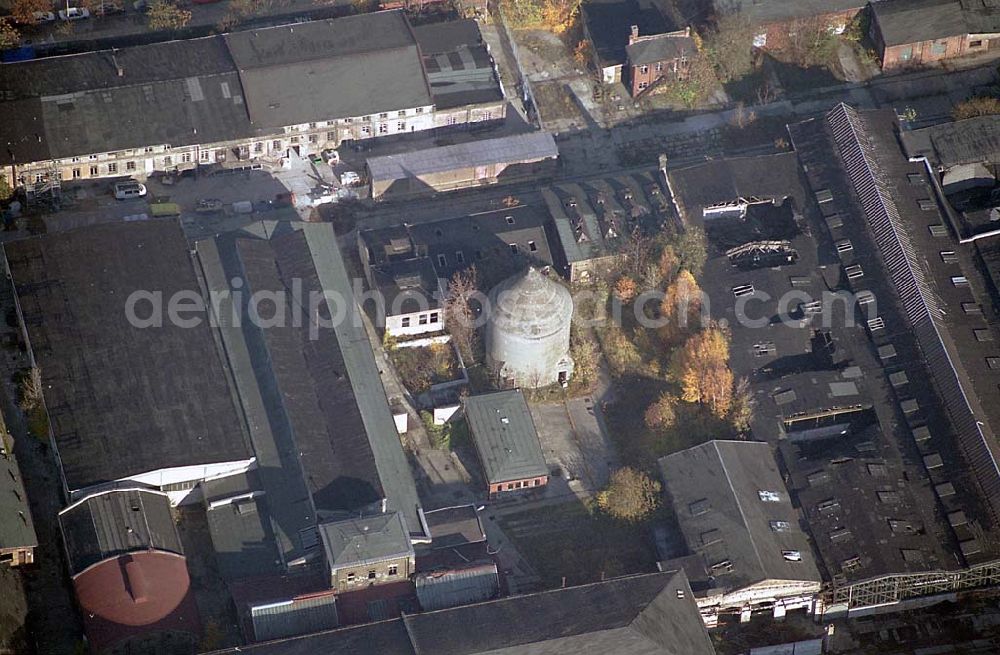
(141, 589)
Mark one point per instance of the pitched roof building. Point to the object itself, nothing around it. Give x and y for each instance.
(652, 614)
(366, 551)
(506, 441)
(737, 516)
(321, 425)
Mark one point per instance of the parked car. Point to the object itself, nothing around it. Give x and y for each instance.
(108, 9)
(43, 17)
(350, 178)
(209, 206)
(74, 13)
(331, 157)
(132, 189)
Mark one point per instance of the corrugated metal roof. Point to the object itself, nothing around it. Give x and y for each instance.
(443, 589)
(534, 146)
(299, 616)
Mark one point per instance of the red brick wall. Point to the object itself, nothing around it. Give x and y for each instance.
(511, 486)
(924, 52)
(777, 33)
(637, 77)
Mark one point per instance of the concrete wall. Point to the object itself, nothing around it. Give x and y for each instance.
(406, 325)
(350, 578)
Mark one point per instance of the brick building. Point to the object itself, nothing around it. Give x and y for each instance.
(920, 32)
(506, 441)
(659, 57)
(242, 99)
(368, 551)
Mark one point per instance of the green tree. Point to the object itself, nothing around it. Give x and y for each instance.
(164, 15)
(630, 496)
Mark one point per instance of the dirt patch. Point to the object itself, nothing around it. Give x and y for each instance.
(558, 105)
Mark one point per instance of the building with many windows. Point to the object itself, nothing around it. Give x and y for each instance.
(243, 99)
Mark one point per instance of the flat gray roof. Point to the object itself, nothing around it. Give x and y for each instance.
(505, 436)
(16, 527)
(519, 148)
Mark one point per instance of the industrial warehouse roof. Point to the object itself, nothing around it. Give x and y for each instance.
(368, 539)
(958, 142)
(472, 583)
(936, 344)
(235, 86)
(652, 614)
(295, 74)
(136, 595)
(110, 385)
(459, 67)
(112, 523)
(320, 421)
(17, 530)
(516, 149)
(176, 93)
(914, 21)
(505, 436)
(735, 512)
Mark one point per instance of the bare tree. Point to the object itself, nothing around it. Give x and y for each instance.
(460, 313)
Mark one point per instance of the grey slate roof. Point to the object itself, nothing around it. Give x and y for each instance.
(518, 148)
(364, 540)
(664, 47)
(912, 21)
(110, 385)
(505, 436)
(17, 529)
(116, 522)
(716, 490)
(609, 23)
(296, 74)
(653, 614)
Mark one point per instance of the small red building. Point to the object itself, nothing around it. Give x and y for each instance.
(921, 32)
(506, 441)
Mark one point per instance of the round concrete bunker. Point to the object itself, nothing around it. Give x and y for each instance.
(527, 333)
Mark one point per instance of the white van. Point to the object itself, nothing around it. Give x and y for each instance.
(125, 190)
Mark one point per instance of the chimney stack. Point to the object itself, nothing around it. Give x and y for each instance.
(634, 36)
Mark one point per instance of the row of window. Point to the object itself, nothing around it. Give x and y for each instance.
(424, 319)
(393, 570)
(520, 484)
(442, 259)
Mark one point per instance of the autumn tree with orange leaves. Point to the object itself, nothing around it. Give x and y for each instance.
(662, 414)
(680, 309)
(701, 367)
